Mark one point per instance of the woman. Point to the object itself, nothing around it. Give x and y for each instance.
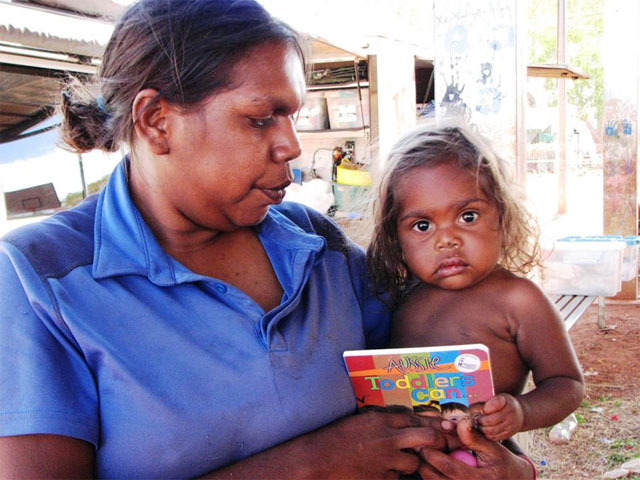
(185, 322)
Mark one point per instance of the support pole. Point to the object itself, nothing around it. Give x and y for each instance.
(85, 190)
(562, 112)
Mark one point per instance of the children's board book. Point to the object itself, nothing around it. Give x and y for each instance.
(420, 378)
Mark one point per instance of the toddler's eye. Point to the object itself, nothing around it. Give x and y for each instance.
(469, 217)
(421, 226)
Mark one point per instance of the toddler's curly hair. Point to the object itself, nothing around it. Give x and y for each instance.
(429, 146)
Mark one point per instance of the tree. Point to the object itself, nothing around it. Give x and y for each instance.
(74, 198)
(584, 25)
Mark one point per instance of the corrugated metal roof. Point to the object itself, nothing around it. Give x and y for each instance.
(54, 31)
(39, 45)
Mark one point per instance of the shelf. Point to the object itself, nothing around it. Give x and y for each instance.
(323, 51)
(348, 133)
(338, 86)
(556, 71)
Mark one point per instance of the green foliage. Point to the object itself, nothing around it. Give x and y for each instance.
(74, 198)
(584, 28)
(623, 450)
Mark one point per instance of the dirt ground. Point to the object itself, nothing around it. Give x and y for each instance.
(611, 358)
(608, 432)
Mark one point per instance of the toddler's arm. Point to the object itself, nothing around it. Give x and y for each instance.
(545, 347)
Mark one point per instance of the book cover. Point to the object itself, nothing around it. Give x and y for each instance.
(421, 379)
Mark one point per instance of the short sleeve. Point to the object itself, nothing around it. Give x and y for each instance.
(46, 387)
(376, 315)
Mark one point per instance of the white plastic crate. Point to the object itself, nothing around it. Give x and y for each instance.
(629, 256)
(583, 268)
(630, 259)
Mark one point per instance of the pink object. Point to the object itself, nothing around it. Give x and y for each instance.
(464, 456)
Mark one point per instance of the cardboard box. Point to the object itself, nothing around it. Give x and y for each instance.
(346, 110)
(314, 114)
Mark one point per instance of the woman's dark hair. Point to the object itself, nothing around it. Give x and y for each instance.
(184, 49)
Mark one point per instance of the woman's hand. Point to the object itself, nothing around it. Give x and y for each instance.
(373, 445)
(380, 445)
(495, 462)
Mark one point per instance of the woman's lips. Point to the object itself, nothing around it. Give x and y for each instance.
(275, 195)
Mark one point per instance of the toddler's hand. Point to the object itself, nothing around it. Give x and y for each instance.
(502, 417)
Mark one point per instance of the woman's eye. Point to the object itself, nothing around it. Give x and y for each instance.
(421, 226)
(469, 217)
(261, 122)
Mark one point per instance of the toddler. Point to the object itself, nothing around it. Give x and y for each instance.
(451, 245)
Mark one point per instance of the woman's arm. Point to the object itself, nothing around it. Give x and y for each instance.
(372, 445)
(45, 456)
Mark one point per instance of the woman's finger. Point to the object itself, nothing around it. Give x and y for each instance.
(418, 437)
(447, 467)
(472, 440)
(415, 431)
(406, 463)
(427, 472)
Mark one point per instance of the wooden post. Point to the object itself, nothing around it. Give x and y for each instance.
(620, 118)
(392, 95)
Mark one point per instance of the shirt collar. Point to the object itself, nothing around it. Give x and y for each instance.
(125, 245)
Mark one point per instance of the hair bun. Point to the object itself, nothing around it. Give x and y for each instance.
(84, 125)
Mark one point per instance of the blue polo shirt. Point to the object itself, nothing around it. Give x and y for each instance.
(107, 338)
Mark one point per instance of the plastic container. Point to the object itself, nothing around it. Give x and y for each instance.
(561, 432)
(631, 260)
(314, 114)
(352, 176)
(578, 266)
(346, 110)
(350, 198)
(629, 256)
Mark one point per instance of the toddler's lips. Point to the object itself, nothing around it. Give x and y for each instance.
(451, 267)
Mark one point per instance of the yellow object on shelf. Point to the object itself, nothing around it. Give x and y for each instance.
(352, 176)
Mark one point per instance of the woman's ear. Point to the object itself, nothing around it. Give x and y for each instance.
(149, 112)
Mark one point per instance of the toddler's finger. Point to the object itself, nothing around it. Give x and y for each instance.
(494, 404)
(487, 421)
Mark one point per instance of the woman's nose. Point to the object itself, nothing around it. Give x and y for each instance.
(287, 145)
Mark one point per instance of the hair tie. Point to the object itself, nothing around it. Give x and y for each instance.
(101, 105)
